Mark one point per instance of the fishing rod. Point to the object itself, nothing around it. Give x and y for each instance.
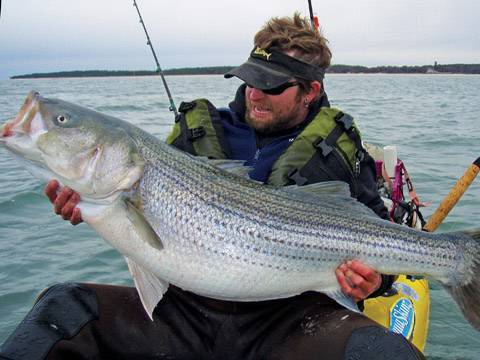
(159, 69)
(313, 18)
(453, 196)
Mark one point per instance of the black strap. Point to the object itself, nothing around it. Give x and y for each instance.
(191, 134)
(196, 133)
(342, 167)
(344, 125)
(346, 121)
(297, 177)
(186, 106)
(184, 130)
(326, 145)
(188, 135)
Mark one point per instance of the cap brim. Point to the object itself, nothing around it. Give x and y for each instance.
(256, 75)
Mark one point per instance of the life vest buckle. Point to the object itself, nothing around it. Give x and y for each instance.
(357, 167)
(345, 120)
(196, 133)
(186, 106)
(183, 108)
(359, 157)
(322, 145)
(297, 177)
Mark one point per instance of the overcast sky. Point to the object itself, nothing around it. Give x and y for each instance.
(54, 35)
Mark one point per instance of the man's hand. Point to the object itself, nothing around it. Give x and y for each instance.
(357, 280)
(64, 201)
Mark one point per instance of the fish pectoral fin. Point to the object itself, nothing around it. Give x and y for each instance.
(150, 288)
(343, 299)
(142, 227)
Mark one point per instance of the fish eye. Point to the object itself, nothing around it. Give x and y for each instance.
(62, 119)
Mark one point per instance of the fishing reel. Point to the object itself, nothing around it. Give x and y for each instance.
(408, 213)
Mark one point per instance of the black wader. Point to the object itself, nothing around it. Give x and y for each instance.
(108, 322)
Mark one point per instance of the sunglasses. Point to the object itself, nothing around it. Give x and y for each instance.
(279, 89)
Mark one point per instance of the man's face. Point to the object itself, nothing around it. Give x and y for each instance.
(270, 113)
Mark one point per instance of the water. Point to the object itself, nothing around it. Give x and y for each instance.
(431, 118)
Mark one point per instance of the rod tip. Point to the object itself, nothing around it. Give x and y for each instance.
(477, 162)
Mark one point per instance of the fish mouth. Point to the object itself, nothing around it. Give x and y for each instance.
(22, 123)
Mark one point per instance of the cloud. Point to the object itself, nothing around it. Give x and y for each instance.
(54, 35)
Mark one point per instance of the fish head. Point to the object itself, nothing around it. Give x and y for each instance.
(88, 151)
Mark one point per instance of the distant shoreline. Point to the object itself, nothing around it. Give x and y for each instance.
(219, 70)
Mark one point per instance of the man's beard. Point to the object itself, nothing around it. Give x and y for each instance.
(278, 121)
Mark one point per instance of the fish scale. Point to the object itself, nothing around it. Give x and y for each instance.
(289, 219)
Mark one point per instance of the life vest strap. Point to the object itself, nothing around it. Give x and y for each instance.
(196, 133)
(297, 177)
(344, 125)
(186, 106)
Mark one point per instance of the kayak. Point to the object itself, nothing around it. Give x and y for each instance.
(404, 310)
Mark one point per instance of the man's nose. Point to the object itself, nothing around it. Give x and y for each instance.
(256, 94)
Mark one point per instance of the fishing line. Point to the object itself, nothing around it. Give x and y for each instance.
(159, 69)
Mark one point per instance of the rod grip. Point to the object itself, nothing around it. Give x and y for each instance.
(453, 196)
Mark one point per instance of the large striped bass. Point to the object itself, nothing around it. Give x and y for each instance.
(187, 221)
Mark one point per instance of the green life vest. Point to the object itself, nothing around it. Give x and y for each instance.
(329, 141)
(329, 148)
(199, 130)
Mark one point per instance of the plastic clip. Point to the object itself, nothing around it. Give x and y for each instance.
(196, 133)
(186, 106)
(295, 176)
(323, 146)
(345, 120)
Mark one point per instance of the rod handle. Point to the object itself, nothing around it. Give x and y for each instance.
(453, 196)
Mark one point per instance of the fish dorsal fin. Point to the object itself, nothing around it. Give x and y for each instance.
(236, 167)
(335, 194)
(323, 188)
(150, 288)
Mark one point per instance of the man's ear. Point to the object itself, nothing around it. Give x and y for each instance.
(314, 92)
(315, 89)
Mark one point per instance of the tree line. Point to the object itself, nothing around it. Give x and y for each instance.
(219, 70)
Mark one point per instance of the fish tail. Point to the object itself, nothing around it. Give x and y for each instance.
(467, 295)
